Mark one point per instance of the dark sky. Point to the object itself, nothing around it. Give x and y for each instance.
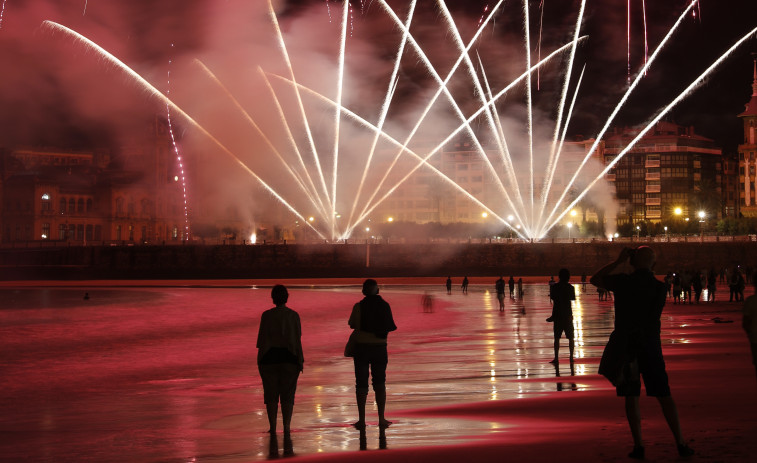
(53, 91)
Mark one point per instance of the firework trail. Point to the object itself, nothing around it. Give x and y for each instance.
(2, 13)
(178, 155)
(696, 83)
(157, 94)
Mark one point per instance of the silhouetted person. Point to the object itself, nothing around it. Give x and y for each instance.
(634, 348)
(499, 287)
(427, 301)
(372, 319)
(711, 285)
(520, 288)
(733, 283)
(464, 286)
(511, 286)
(562, 294)
(280, 358)
(449, 285)
(583, 282)
(749, 322)
(677, 288)
(86, 296)
(696, 283)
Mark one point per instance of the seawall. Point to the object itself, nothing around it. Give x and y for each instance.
(350, 260)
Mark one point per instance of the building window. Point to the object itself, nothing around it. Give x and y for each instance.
(88, 233)
(71, 205)
(80, 205)
(175, 232)
(118, 232)
(131, 232)
(119, 206)
(98, 232)
(144, 234)
(89, 205)
(62, 205)
(46, 206)
(62, 232)
(45, 231)
(71, 232)
(79, 232)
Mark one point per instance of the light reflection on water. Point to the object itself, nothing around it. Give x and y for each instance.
(176, 366)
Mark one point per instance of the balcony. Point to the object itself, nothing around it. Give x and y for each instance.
(697, 177)
(652, 176)
(697, 164)
(652, 163)
(654, 214)
(653, 189)
(653, 202)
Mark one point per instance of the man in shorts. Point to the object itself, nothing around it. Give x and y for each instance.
(562, 294)
(639, 300)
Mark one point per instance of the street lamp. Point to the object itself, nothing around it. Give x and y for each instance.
(570, 225)
(638, 232)
(702, 216)
(666, 233)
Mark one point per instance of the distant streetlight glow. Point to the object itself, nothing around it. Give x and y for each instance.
(484, 215)
(573, 213)
(311, 218)
(390, 219)
(677, 211)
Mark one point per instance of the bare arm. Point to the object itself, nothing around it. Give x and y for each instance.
(598, 278)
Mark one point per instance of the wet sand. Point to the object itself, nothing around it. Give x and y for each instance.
(167, 374)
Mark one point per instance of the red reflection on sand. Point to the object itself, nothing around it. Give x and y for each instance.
(168, 374)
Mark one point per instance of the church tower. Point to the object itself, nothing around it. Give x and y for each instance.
(748, 152)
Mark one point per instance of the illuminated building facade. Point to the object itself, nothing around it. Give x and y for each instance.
(672, 173)
(747, 155)
(82, 197)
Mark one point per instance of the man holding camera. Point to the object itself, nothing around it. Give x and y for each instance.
(635, 346)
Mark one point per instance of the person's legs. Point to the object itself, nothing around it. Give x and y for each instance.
(361, 384)
(289, 373)
(270, 379)
(272, 409)
(633, 414)
(670, 412)
(379, 360)
(557, 331)
(557, 350)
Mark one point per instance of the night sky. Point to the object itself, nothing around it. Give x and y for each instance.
(54, 92)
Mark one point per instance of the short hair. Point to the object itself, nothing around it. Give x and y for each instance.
(279, 294)
(563, 274)
(370, 287)
(643, 257)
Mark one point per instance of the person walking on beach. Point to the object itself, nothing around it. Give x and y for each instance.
(499, 287)
(562, 294)
(520, 288)
(448, 284)
(677, 288)
(711, 285)
(372, 320)
(280, 358)
(749, 322)
(464, 286)
(696, 283)
(511, 285)
(635, 349)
